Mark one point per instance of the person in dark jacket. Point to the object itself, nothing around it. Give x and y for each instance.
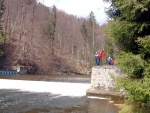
(96, 59)
(109, 60)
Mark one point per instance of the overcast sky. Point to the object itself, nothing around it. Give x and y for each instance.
(81, 8)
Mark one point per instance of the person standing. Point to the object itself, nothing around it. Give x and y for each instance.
(101, 54)
(96, 59)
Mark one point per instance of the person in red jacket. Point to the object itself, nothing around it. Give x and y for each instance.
(101, 54)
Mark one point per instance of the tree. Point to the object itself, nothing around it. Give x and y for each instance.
(91, 27)
(51, 27)
(1, 32)
(85, 35)
(84, 30)
(91, 33)
(33, 31)
(130, 26)
(1, 14)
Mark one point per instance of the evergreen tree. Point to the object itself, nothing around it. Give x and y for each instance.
(53, 23)
(129, 26)
(91, 29)
(51, 27)
(84, 31)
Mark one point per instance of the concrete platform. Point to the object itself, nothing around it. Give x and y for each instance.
(102, 82)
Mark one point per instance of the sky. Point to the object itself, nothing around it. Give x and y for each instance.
(80, 8)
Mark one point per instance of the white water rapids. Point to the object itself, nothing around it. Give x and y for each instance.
(61, 88)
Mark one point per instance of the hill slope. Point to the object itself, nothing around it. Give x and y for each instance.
(28, 42)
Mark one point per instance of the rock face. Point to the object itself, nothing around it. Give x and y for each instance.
(102, 82)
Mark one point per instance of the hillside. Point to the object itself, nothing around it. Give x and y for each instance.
(47, 40)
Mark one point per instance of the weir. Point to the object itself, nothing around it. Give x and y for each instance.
(57, 88)
(103, 84)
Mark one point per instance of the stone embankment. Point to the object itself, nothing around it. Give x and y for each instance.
(102, 82)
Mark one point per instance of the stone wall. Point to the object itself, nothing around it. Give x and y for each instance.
(102, 80)
(101, 77)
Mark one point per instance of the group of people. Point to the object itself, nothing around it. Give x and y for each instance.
(110, 61)
(98, 58)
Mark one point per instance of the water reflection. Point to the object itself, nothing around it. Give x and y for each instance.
(14, 101)
(101, 106)
(57, 95)
(23, 96)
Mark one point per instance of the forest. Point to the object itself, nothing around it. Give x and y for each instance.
(129, 32)
(47, 40)
(50, 41)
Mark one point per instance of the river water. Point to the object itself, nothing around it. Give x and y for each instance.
(63, 95)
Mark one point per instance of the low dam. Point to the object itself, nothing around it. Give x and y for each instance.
(102, 82)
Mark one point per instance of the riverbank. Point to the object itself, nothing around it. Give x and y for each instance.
(65, 78)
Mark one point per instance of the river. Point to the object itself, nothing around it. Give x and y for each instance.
(58, 95)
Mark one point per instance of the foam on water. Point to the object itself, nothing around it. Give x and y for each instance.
(101, 98)
(61, 88)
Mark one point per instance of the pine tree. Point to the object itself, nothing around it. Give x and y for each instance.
(91, 29)
(51, 27)
(129, 26)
